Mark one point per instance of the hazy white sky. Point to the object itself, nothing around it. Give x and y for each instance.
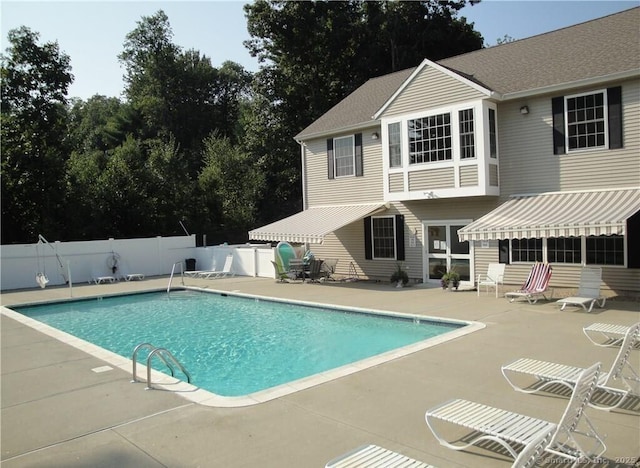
(92, 32)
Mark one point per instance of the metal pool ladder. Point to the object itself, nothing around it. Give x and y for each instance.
(164, 354)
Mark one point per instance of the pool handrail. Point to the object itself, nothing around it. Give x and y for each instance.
(173, 268)
(164, 354)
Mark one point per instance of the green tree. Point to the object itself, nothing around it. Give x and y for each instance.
(35, 81)
(229, 183)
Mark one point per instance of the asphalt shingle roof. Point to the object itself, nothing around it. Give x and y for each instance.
(596, 48)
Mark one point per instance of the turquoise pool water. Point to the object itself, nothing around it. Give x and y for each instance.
(232, 345)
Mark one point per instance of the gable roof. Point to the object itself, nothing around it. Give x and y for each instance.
(357, 108)
(598, 48)
(593, 51)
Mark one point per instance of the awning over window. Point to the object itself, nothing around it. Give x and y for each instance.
(310, 226)
(557, 214)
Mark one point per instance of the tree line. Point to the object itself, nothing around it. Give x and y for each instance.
(211, 148)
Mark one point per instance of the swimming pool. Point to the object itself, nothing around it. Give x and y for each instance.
(234, 346)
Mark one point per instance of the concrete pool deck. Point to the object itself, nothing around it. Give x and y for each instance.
(61, 407)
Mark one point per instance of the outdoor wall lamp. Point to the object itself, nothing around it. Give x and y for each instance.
(524, 110)
(375, 136)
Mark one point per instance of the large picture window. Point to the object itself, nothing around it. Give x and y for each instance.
(430, 139)
(344, 156)
(591, 250)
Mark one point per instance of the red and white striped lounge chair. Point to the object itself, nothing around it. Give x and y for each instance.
(536, 286)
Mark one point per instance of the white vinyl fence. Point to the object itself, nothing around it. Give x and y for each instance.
(155, 256)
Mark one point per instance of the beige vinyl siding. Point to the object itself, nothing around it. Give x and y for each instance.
(321, 190)
(527, 162)
(468, 176)
(396, 182)
(347, 244)
(431, 88)
(431, 179)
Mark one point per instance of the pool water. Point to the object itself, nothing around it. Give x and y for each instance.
(232, 345)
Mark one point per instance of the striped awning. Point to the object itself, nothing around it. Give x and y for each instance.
(557, 214)
(311, 225)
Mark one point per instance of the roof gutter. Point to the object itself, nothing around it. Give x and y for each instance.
(359, 126)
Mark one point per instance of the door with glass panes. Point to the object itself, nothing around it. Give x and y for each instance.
(444, 251)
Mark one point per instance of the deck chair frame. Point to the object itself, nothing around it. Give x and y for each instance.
(606, 335)
(493, 278)
(536, 285)
(226, 270)
(513, 430)
(588, 290)
(550, 374)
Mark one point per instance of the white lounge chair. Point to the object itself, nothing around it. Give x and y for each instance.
(535, 286)
(514, 431)
(374, 456)
(98, 278)
(493, 278)
(588, 291)
(608, 334)
(548, 374)
(226, 270)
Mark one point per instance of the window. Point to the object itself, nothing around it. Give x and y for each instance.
(526, 250)
(383, 237)
(564, 250)
(395, 145)
(467, 142)
(586, 121)
(592, 250)
(430, 139)
(344, 156)
(493, 137)
(605, 250)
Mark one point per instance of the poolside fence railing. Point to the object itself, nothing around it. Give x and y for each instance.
(154, 256)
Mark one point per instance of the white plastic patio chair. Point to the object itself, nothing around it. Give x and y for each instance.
(513, 430)
(606, 335)
(548, 374)
(493, 278)
(588, 291)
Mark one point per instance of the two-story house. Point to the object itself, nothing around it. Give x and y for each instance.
(523, 152)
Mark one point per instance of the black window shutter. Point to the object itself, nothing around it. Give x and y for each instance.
(614, 100)
(330, 174)
(557, 108)
(503, 251)
(368, 250)
(399, 237)
(358, 155)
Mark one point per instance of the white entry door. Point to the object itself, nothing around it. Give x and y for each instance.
(444, 252)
